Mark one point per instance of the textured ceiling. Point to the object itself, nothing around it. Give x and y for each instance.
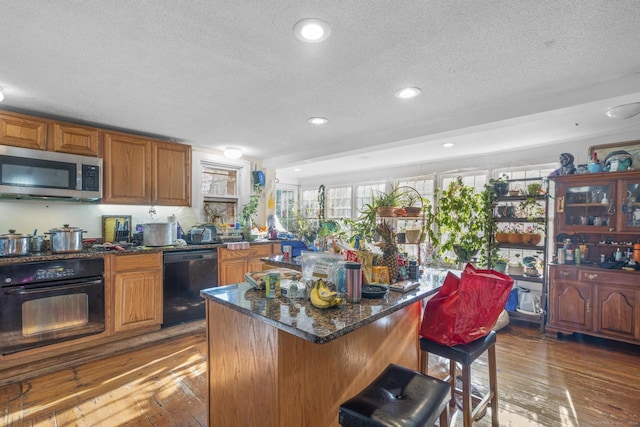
(495, 75)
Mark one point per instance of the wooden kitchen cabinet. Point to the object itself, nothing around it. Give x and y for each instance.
(74, 139)
(23, 131)
(139, 170)
(137, 291)
(171, 181)
(603, 303)
(569, 302)
(233, 264)
(37, 133)
(127, 169)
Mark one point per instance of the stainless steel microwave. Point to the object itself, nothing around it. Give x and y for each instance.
(37, 174)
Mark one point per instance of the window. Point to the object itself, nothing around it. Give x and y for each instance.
(338, 202)
(218, 182)
(220, 194)
(364, 193)
(284, 204)
(310, 206)
(423, 185)
(475, 181)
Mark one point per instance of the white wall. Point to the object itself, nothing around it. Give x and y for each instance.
(26, 215)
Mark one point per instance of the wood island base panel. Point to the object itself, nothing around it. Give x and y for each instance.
(271, 363)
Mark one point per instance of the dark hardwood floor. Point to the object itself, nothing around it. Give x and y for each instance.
(542, 381)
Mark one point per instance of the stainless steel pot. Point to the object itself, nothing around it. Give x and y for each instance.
(66, 239)
(158, 233)
(13, 243)
(37, 244)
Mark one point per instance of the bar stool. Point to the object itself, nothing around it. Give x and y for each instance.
(465, 354)
(398, 397)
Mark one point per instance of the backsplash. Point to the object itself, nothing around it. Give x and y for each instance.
(28, 215)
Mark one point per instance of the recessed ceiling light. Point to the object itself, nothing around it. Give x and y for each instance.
(447, 144)
(297, 170)
(312, 30)
(408, 92)
(233, 152)
(317, 120)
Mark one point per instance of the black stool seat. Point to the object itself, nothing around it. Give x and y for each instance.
(398, 397)
(461, 353)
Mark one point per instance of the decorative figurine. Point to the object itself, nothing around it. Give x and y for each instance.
(566, 165)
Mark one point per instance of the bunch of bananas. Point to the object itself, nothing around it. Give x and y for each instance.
(323, 297)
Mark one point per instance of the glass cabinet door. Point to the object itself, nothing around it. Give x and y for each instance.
(588, 207)
(629, 205)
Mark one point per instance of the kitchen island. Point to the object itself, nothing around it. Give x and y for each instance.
(276, 363)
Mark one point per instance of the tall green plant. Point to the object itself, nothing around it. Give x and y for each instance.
(462, 217)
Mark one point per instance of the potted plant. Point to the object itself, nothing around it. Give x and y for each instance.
(248, 212)
(516, 268)
(386, 203)
(365, 226)
(464, 221)
(500, 185)
(530, 208)
(515, 235)
(502, 236)
(411, 202)
(500, 264)
(534, 188)
(413, 232)
(531, 235)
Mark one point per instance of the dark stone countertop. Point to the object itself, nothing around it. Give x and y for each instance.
(98, 251)
(294, 263)
(312, 324)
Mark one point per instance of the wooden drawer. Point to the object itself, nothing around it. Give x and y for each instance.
(151, 261)
(256, 251)
(560, 272)
(610, 277)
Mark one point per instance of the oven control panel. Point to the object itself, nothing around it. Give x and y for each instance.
(50, 271)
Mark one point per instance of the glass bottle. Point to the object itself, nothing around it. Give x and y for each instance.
(568, 251)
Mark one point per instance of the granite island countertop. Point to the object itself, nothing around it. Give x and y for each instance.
(294, 263)
(310, 323)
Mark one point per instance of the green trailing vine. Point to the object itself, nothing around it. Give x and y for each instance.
(463, 217)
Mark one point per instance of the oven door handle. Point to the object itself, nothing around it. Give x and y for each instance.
(53, 288)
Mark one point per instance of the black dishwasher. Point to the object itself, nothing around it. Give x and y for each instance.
(186, 273)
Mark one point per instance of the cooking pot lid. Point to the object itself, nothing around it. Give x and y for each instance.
(65, 228)
(12, 233)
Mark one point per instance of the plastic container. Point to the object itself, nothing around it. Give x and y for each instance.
(353, 281)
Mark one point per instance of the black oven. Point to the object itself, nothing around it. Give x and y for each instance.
(48, 302)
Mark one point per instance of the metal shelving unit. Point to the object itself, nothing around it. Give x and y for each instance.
(507, 212)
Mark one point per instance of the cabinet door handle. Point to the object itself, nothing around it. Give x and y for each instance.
(592, 276)
(588, 306)
(560, 205)
(564, 273)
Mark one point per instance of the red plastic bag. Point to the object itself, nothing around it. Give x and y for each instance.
(465, 308)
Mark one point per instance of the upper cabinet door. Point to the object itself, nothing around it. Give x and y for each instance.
(74, 139)
(171, 183)
(23, 132)
(586, 206)
(127, 169)
(629, 205)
